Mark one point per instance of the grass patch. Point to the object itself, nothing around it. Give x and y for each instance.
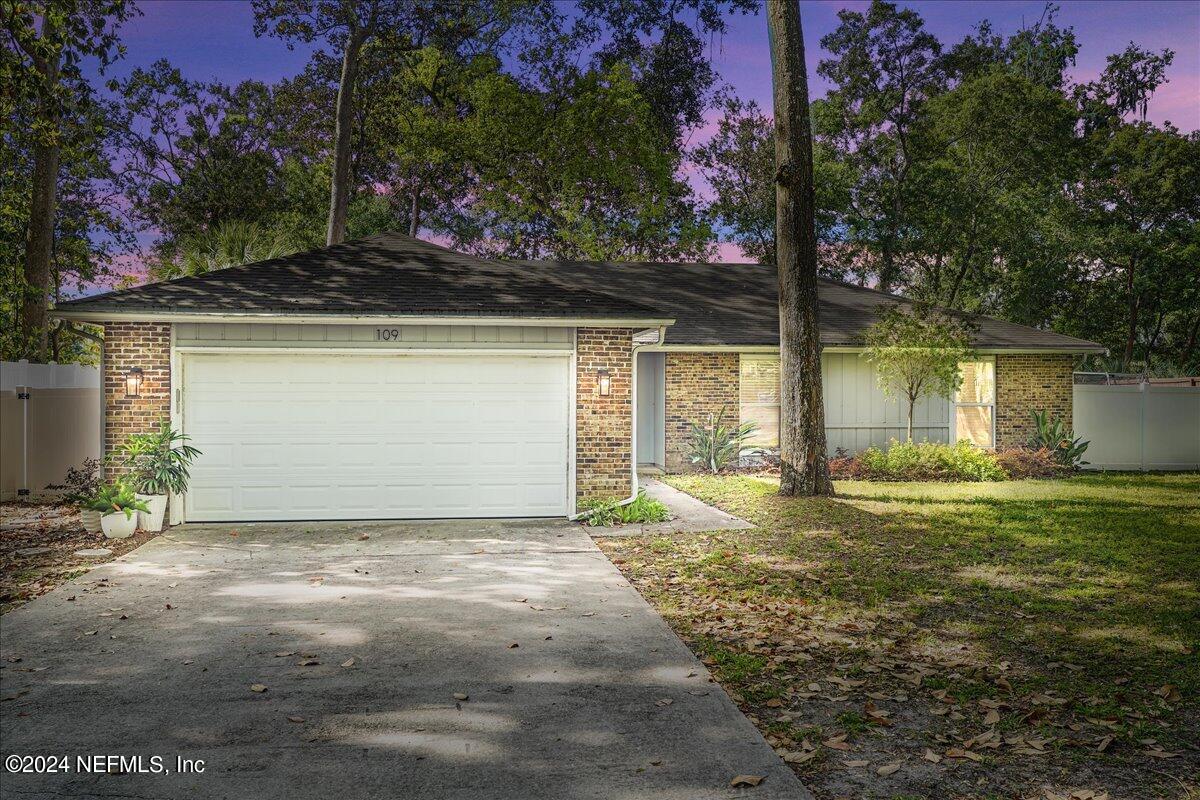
(1070, 608)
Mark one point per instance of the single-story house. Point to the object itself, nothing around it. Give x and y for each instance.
(391, 378)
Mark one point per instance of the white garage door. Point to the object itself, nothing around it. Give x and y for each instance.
(311, 436)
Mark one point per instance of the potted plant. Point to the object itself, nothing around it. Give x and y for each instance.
(89, 514)
(117, 505)
(81, 485)
(158, 466)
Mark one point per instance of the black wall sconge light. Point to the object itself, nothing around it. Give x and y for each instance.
(133, 382)
(605, 382)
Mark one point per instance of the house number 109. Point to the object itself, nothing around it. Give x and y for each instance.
(387, 334)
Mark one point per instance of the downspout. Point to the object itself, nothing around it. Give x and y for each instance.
(633, 476)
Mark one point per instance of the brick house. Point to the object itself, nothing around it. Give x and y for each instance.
(392, 378)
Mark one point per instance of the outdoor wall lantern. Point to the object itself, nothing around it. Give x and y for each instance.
(133, 382)
(605, 382)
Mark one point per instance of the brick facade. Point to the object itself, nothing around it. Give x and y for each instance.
(135, 344)
(696, 385)
(1026, 383)
(603, 425)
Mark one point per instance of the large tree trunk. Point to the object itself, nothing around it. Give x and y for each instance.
(39, 246)
(802, 411)
(339, 193)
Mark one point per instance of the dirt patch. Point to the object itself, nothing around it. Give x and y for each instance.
(38, 545)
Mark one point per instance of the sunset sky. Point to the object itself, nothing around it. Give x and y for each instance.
(213, 39)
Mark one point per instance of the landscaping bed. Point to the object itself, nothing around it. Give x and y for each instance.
(1014, 639)
(38, 546)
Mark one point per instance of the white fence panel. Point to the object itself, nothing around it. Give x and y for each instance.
(49, 421)
(1139, 426)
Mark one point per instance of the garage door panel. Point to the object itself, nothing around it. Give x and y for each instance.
(312, 436)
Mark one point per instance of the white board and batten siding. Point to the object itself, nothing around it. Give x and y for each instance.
(1139, 426)
(213, 334)
(858, 415)
(338, 422)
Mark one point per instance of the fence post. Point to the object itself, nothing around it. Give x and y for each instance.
(1143, 389)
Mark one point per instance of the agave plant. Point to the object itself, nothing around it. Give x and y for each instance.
(716, 443)
(1053, 434)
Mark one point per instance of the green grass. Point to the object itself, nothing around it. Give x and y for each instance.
(1086, 589)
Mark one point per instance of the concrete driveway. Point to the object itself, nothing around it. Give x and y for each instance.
(362, 635)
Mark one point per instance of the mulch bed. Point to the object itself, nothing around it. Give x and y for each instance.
(37, 550)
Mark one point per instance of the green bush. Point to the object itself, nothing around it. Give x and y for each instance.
(928, 461)
(606, 513)
(1052, 433)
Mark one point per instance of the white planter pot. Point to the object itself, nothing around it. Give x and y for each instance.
(90, 518)
(117, 526)
(152, 521)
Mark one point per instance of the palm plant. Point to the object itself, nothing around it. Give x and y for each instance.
(158, 461)
(716, 443)
(116, 497)
(227, 244)
(1053, 434)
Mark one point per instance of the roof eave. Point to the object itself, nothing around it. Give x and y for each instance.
(551, 321)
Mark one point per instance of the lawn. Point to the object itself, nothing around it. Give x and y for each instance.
(1018, 639)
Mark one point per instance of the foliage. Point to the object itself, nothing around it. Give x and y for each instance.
(117, 497)
(54, 143)
(916, 353)
(929, 461)
(607, 513)
(715, 444)
(81, 482)
(1023, 462)
(1053, 435)
(228, 244)
(945, 595)
(158, 461)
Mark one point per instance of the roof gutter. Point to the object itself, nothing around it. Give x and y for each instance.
(357, 319)
(845, 348)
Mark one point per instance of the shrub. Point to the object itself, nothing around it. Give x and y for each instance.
(606, 513)
(81, 483)
(1022, 462)
(716, 444)
(929, 461)
(1052, 433)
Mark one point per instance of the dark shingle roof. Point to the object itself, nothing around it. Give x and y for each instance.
(388, 274)
(737, 304)
(392, 274)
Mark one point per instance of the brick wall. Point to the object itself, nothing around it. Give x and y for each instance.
(696, 385)
(135, 344)
(1025, 383)
(603, 425)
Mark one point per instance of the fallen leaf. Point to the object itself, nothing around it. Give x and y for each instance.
(512, 645)
(932, 756)
(794, 757)
(746, 780)
(349, 662)
(1159, 754)
(308, 662)
(285, 653)
(363, 537)
(855, 763)
(461, 696)
(258, 687)
(295, 719)
(889, 769)
(1103, 744)
(956, 752)
(991, 718)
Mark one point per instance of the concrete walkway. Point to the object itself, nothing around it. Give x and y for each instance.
(360, 636)
(688, 515)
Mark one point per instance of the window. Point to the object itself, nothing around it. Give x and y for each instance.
(975, 404)
(759, 398)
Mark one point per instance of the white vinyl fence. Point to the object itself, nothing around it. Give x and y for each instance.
(49, 422)
(1139, 426)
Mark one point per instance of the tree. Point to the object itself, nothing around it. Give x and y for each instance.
(229, 244)
(804, 468)
(916, 354)
(46, 44)
(402, 26)
(884, 67)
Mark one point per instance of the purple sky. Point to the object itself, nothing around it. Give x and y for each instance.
(213, 39)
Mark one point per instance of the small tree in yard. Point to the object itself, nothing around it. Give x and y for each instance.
(916, 354)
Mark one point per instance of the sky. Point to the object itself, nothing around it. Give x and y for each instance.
(214, 39)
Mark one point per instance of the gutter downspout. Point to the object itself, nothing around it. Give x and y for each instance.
(662, 336)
